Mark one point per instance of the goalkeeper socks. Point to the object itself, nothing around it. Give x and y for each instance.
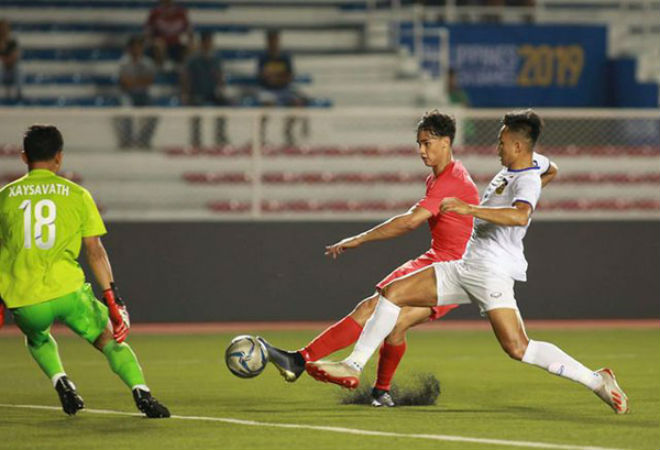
(390, 357)
(124, 363)
(47, 356)
(338, 336)
(380, 324)
(554, 360)
(55, 378)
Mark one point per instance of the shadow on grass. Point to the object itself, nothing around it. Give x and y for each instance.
(423, 391)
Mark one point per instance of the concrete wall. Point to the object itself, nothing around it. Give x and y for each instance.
(277, 271)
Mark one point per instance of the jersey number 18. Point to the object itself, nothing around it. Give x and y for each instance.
(42, 221)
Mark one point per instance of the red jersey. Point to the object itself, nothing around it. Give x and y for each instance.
(450, 232)
(168, 22)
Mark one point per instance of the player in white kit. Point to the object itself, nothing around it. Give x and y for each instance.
(492, 262)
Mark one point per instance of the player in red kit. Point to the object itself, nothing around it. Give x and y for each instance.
(449, 236)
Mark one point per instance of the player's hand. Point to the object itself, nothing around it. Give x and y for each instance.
(453, 204)
(337, 249)
(118, 313)
(2, 313)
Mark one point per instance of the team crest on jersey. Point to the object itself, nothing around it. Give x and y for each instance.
(501, 187)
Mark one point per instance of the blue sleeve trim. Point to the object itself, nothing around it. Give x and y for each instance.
(525, 169)
(522, 201)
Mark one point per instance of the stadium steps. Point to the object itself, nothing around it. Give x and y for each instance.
(327, 38)
(281, 15)
(295, 40)
(360, 178)
(167, 79)
(307, 206)
(203, 185)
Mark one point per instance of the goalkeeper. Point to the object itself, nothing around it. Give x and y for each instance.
(43, 220)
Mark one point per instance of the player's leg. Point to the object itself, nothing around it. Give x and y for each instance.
(416, 289)
(341, 334)
(510, 332)
(88, 318)
(345, 332)
(392, 351)
(35, 322)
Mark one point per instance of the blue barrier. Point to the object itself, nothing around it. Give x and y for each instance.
(624, 90)
(169, 78)
(524, 65)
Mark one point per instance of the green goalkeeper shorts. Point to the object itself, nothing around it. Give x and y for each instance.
(79, 310)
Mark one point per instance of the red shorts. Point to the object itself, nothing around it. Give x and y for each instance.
(412, 266)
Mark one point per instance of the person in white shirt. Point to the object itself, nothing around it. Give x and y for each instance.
(492, 262)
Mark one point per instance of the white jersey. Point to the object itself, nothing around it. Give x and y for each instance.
(500, 248)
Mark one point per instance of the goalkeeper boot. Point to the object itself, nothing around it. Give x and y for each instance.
(149, 405)
(71, 401)
(343, 373)
(611, 393)
(381, 397)
(290, 364)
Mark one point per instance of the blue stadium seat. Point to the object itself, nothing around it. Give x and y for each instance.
(111, 53)
(113, 27)
(169, 78)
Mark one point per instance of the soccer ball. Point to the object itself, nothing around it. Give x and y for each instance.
(246, 357)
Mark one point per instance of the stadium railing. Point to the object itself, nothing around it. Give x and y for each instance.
(346, 164)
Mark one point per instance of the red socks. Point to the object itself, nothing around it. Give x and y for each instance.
(390, 357)
(338, 336)
(344, 333)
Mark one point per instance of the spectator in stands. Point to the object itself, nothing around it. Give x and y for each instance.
(457, 95)
(202, 83)
(136, 73)
(10, 55)
(136, 76)
(275, 77)
(169, 32)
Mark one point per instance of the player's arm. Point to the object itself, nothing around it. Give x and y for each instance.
(549, 174)
(99, 262)
(391, 228)
(2, 312)
(516, 215)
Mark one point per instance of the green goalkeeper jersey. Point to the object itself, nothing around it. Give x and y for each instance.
(43, 218)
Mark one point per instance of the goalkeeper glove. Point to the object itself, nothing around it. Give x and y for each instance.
(118, 313)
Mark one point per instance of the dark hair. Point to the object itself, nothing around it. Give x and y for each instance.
(272, 33)
(438, 124)
(135, 39)
(42, 142)
(525, 122)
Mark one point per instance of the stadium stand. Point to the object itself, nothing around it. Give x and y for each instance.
(344, 58)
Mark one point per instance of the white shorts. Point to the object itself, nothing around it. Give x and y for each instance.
(457, 283)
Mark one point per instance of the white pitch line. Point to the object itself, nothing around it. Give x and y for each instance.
(357, 431)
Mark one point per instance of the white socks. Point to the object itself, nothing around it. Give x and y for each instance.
(142, 387)
(380, 324)
(551, 358)
(57, 377)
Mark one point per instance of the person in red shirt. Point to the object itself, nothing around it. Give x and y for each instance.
(449, 236)
(168, 31)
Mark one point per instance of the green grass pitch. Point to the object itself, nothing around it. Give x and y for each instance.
(484, 395)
